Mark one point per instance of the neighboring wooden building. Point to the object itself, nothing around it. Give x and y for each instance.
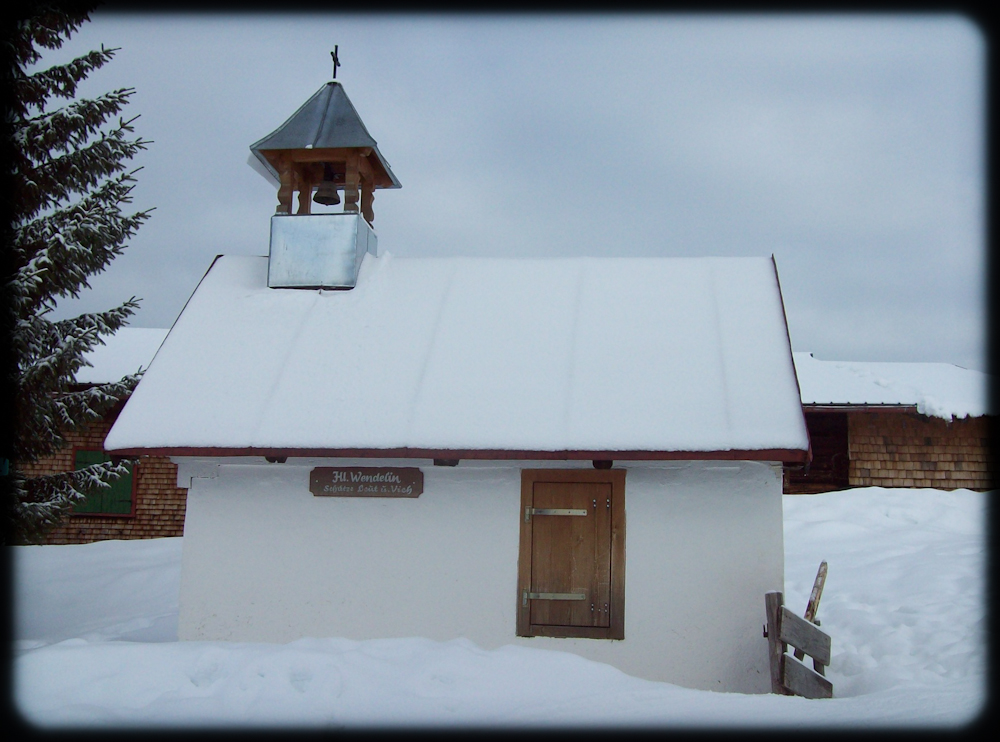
(579, 454)
(894, 425)
(146, 504)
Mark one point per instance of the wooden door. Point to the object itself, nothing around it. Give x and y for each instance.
(570, 554)
(571, 558)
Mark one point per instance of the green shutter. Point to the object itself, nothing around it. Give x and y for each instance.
(95, 497)
(117, 500)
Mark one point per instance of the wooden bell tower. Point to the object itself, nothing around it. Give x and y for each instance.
(325, 148)
(302, 171)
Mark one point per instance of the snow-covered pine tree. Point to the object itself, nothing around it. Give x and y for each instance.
(70, 177)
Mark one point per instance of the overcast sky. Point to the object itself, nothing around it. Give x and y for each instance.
(850, 148)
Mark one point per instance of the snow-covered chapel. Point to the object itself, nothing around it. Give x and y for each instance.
(579, 454)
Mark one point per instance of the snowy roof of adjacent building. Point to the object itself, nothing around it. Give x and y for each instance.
(123, 353)
(936, 389)
(478, 354)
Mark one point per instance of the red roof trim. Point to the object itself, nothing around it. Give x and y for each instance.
(769, 454)
(848, 407)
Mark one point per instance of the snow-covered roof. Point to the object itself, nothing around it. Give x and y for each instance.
(937, 389)
(123, 353)
(478, 354)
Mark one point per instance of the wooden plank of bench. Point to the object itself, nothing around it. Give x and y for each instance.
(805, 636)
(804, 682)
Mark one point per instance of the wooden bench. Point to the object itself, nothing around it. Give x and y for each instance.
(788, 675)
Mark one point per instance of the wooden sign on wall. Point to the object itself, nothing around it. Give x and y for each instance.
(366, 481)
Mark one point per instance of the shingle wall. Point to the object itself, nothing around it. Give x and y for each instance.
(896, 449)
(159, 502)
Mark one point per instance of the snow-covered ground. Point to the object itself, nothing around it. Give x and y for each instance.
(904, 603)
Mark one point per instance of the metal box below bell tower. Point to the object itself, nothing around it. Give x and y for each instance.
(318, 250)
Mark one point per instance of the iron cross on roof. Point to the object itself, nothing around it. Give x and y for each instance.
(336, 60)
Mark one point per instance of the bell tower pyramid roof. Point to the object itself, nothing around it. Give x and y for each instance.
(328, 120)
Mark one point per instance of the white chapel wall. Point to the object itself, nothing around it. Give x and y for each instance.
(265, 560)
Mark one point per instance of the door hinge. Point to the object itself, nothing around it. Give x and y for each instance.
(526, 596)
(528, 512)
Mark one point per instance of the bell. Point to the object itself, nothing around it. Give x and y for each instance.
(326, 192)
